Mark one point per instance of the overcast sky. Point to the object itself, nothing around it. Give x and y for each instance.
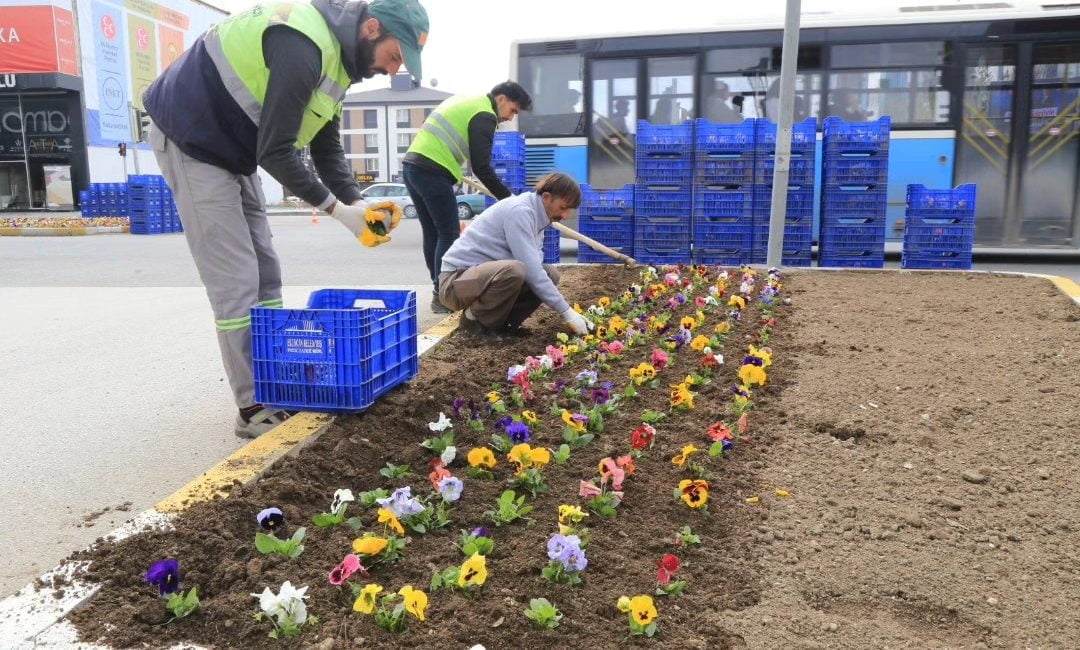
(468, 48)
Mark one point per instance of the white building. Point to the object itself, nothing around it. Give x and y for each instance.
(377, 126)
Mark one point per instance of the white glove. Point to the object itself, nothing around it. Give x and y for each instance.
(576, 322)
(351, 216)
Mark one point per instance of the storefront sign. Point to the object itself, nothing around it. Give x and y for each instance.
(144, 62)
(112, 85)
(37, 39)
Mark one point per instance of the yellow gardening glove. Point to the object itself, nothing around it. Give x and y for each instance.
(383, 217)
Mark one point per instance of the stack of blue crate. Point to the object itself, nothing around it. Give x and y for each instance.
(855, 171)
(508, 159)
(147, 204)
(723, 217)
(608, 217)
(104, 200)
(799, 221)
(663, 195)
(939, 228)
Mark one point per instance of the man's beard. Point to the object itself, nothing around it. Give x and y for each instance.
(365, 57)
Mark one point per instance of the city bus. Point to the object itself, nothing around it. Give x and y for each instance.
(979, 92)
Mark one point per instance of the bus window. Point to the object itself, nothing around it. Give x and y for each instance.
(671, 89)
(740, 83)
(554, 82)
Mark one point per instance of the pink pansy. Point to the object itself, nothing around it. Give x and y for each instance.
(659, 358)
(556, 354)
(532, 363)
(589, 490)
(671, 279)
(614, 347)
(608, 468)
(350, 565)
(699, 302)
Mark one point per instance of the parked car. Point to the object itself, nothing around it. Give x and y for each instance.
(469, 205)
(395, 192)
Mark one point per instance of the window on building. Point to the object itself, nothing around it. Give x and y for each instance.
(427, 112)
(902, 80)
(740, 83)
(371, 118)
(403, 142)
(401, 117)
(371, 142)
(555, 85)
(371, 165)
(671, 89)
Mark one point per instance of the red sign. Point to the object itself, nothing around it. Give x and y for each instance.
(37, 39)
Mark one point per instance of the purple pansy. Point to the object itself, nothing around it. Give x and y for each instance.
(165, 574)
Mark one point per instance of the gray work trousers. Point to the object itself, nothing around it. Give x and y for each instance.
(495, 292)
(225, 224)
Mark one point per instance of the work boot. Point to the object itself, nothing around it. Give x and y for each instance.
(256, 420)
(437, 306)
(475, 329)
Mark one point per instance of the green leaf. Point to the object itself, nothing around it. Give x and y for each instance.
(436, 581)
(192, 598)
(418, 528)
(716, 448)
(468, 549)
(266, 544)
(296, 551)
(323, 520)
(563, 454)
(298, 536)
(355, 523)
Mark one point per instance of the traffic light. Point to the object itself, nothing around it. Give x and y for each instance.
(142, 125)
(122, 149)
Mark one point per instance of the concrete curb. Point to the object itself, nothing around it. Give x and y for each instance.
(62, 232)
(34, 617)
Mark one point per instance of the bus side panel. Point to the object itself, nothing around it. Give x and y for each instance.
(916, 160)
(573, 161)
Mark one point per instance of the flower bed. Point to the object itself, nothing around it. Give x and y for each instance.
(607, 473)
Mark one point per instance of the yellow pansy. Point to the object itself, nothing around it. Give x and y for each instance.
(681, 396)
(617, 325)
(473, 571)
(737, 301)
(750, 375)
(688, 323)
(604, 301)
(681, 459)
(723, 328)
(699, 343)
(695, 493)
(520, 455)
(415, 601)
(576, 425)
(494, 396)
(390, 519)
(766, 357)
(481, 457)
(643, 610)
(529, 417)
(623, 604)
(365, 602)
(573, 514)
(539, 456)
(372, 545)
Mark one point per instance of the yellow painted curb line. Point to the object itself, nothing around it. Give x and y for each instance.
(247, 464)
(1067, 286)
(10, 232)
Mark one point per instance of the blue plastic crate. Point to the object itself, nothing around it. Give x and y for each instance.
(726, 257)
(840, 203)
(729, 170)
(838, 135)
(663, 203)
(722, 237)
(710, 138)
(508, 146)
(865, 260)
(867, 171)
(607, 202)
(662, 240)
(514, 189)
(711, 202)
(664, 171)
(956, 203)
(951, 238)
(803, 136)
(510, 174)
(613, 231)
(349, 347)
(552, 253)
(664, 139)
(936, 260)
(800, 201)
(800, 171)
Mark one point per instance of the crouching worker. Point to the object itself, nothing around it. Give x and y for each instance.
(495, 271)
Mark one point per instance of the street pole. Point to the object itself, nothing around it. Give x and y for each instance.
(782, 163)
(133, 116)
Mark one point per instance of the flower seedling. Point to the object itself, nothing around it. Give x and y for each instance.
(567, 560)
(285, 610)
(342, 499)
(666, 567)
(509, 508)
(392, 471)
(543, 613)
(165, 575)
(272, 519)
(642, 614)
(686, 537)
(481, 461)
(348, 566)
(371, 497)
(476, 541)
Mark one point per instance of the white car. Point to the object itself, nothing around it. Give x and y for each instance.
(395, 192)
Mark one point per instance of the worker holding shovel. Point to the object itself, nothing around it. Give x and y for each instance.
(253, 91)
(495, 270)
(460, 130)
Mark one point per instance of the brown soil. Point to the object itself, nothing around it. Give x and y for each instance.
(964, 373)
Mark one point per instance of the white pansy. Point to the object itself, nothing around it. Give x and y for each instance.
(442, 424)
(448, 455)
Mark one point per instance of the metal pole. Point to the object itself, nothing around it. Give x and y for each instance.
(133, 117)
(26, 154)
(788, 60)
